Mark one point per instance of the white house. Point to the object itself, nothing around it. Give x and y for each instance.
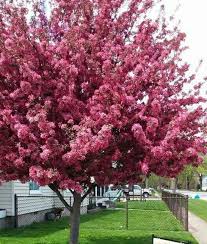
(28, 203)
(204, 183)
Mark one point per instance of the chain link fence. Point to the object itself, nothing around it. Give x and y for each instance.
(134, 212)
(31, 209)
(178, 205)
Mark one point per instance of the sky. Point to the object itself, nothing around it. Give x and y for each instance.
(193, 19)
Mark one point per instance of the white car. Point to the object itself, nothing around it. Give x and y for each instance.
(136, 190)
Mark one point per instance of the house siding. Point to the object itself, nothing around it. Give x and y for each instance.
(204, 183)
(23, 189)
(6, 197)
(69, 199)
(20, 188)
(34, 204)
(29, 203)
(31, 207)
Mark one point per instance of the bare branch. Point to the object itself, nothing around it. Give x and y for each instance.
(55, 189)
(71, 191)
(87, 192)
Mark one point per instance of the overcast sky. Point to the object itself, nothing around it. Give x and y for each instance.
(193, 17)
(193, 21)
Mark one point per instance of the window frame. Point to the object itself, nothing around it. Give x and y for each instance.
(34, 192)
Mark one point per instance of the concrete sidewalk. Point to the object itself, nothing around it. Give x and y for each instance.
(198, 228)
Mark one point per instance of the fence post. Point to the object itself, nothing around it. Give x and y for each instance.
(178, 205)
(15, 211)
(186, 213)
(180, 208)
(127, 209)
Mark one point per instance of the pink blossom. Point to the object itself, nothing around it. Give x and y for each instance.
(19, 162)
(11, 156)
(70, 184)
(22, 131)
(23, 152)
(157, 151)
(144, 168)
(191, 152)
(45, 154)
(8, 43)
(25, 87)
(42, 176)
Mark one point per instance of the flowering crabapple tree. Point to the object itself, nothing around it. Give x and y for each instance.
(93, 90)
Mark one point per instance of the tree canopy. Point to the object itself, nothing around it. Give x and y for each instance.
(94, 92)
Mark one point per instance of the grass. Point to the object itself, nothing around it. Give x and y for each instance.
(107, 226)
(142, 205)
(138, 220)
(199, 208)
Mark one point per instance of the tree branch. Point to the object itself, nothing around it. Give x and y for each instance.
(55, 189)
(87, 192)
(71, 191)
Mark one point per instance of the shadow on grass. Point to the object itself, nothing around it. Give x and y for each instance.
(132, 237)
(120, 239)
(45, 228)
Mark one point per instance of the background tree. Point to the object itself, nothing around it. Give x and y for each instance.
(157, 182)
(186, 179)
(192, 177)
(201, 171)
(93, 90)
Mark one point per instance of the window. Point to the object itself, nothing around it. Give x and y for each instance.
(34, 188)
(137, 187)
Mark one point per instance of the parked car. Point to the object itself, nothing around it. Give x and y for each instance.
(109, 197)
(138, 191)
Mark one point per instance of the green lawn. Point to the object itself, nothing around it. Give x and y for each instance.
(144, 205)
(199, 208)
(107, 226)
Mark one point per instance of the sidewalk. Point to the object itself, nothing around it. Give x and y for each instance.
(198, 228)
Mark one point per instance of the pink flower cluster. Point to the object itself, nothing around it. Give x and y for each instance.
(42, 176)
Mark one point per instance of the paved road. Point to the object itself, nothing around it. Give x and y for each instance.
(198, 228)
(192, 194)
(202, 195)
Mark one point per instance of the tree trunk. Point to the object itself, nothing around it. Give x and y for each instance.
(173, 186)
(187, 183)
(75, 219)
(201, 181)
